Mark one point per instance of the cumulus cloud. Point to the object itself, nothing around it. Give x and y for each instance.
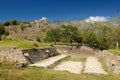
(96, 19)
(43, 18)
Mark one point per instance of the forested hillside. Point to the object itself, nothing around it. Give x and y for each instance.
(101, 35)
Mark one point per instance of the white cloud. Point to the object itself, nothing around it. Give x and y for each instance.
(43, 18)
(96, 19)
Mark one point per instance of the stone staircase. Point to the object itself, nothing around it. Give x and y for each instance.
(49, 61)
(92, 65)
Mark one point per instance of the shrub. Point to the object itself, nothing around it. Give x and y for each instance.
(14, 22)
(38, 39)
(7, 23)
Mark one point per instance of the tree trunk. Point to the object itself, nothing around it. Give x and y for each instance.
(78, 43)
(117, 44)
(69, 44)
(55, 42)
(0, 37)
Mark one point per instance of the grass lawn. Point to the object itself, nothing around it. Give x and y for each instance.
(115, 51)
(8, 72)
(23, 44)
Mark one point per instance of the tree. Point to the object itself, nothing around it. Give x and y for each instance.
(91, 40)
(38, 39)
(116, 33)
(103, 37)
(68, 33)
(97, 36)
(7, 23)
(14, 22)
(2, 30)
(53, 35)
(78, 39)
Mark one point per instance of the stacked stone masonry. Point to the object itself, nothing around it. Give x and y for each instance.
(11, 54)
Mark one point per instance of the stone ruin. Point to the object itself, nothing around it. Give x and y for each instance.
(13, 55)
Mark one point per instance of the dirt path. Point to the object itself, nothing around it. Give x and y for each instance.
(48, 62)
(92, 65)
(70, 66)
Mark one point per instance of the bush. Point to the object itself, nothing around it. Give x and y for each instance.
(14, 22)
(2, 30)
(7, 23)
(38, 39)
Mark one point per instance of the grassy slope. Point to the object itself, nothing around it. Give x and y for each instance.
(115, 51)
(8, 72)
(34, 73)
(24, 44)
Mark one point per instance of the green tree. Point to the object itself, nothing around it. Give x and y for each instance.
(91, 40)
(116, 33)
(78, 39)
(97, 36)
(38, 39)
(103, 37)
(14, 22)
(68, 33)
(2, 31)
(53, 35)
(7, 23)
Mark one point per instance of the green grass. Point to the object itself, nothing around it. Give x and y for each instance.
(115, 51)
(34, 73)
(102, 60)
(78, 57)
(23, 44)
(9, 72)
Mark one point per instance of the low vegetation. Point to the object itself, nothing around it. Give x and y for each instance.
(115, 51)
(100, 36)
(23, 44)
(9, 72)
(95, 36)
(77, 57)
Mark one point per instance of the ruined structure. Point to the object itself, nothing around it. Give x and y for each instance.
(11, 54)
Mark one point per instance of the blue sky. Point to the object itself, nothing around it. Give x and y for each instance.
(28, 10)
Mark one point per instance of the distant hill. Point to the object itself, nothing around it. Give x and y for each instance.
(115, 21)
(30, 30)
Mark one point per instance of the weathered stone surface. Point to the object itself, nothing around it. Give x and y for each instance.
(48, 62)
(70, 66)
(117, 66)
(36, 55)
(108, 58)
(11, 54)
(92, 65)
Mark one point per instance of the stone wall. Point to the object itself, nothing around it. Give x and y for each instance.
(11, 54)
(73, 49)
(35, 55)
(108, 58)
(106, 55)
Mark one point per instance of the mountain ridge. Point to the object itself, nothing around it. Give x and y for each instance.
(30, 30)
